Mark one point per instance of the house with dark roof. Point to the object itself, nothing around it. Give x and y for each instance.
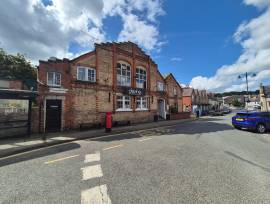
(195, 101)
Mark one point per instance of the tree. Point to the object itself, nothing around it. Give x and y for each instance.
(237, 103)
(17, 67)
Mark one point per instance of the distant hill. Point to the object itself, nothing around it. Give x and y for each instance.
(232, 93)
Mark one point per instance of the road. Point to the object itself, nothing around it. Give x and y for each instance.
(205, 161)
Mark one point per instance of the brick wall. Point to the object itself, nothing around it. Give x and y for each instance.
(35, 119)
(87, 102)
(11, 84)
(172, 84)
(187, 104)
(15, 84)
(45, 92)
(179, 116)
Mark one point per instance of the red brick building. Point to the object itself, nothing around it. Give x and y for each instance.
(175, 93)
(188, 99)
(195, 100)
(114, 77)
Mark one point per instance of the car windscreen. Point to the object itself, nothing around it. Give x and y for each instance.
(243, 114)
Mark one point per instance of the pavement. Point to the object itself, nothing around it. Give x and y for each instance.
(203, 161)
(17, 145)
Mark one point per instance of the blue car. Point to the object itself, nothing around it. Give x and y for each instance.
(255, 121)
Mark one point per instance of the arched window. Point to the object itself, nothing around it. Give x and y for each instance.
(123, 74)
(140, 78)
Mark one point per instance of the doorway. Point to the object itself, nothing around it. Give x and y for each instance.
(161, 109)
(53, 115)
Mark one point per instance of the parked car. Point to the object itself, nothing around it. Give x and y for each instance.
(216, 113)
(255, 121)
(227, 111)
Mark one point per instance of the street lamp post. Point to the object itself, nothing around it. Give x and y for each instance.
(246, 75)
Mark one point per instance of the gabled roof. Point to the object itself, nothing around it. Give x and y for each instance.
(196, 91)
(187, 91)
(171, 75)
(160, 75)
(204, 93)
(121, 45)
(83, 56)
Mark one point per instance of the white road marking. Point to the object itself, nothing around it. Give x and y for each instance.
(90, 172)
(96, 195)
(145, 139)
(61, 138)
(61, 159)
(92, 157)
(90, 139)
(112, 147)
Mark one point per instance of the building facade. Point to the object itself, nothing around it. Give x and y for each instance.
(195, 101)
(265, 98)
(175, 94)
(115, 77)
(188, 99)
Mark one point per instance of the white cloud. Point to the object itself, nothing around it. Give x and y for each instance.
(152, 7)
(258, 3)
(140, 28)
(183, 85)
(176, 59)
(140, 32)
(42, 31)
(254, 37)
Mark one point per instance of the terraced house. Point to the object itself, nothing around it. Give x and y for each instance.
(195, 101)
(114, 77)
(175, 94)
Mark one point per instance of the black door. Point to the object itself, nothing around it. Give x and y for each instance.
(53, 115)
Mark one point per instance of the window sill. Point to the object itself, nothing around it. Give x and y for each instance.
(138, 87)
(54, 86)
(84, 81)
(142, 109)
(123, 110)
(124, 86)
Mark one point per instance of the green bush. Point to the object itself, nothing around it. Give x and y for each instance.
(173, 109)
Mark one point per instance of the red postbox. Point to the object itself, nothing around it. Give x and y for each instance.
(108, 122)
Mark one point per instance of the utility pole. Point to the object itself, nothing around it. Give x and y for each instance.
(246, 75)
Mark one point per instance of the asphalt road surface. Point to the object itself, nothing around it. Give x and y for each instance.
(205, 161)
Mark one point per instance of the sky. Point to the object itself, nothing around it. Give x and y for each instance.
(205, 44)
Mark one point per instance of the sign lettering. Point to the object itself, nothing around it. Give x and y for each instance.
(135, 92)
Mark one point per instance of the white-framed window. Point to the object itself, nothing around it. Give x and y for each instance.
(174, 91)
(141, 103)
(53, 79)
(86, 74)
(123, 74)
(160, 86)
(123, 103)
(140, 78)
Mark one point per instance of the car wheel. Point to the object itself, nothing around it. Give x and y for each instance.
(261, 128)
(236, 127)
